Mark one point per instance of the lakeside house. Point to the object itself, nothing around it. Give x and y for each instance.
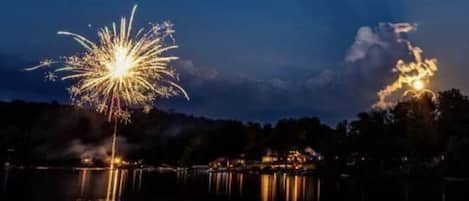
(294, 160)
(227, 163)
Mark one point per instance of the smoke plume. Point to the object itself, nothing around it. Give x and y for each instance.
(98, 152)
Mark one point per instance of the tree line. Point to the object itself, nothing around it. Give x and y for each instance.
(419, 131)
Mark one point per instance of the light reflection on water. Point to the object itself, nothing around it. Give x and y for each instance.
(289, 188)
(116, 184)
(272, 187)
(140, 185)
(226, 183)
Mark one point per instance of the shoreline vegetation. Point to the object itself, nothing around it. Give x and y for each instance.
(418, 137)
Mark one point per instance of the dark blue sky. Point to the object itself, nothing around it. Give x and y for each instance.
(256, 60)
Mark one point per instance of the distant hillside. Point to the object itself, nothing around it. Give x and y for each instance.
(49, 132)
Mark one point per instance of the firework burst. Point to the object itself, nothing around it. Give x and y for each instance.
(122, 70)
(413, 76)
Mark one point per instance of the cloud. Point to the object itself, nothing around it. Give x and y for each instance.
(330, 94)
(365, 39)
(187, 67)
(376, 59)
(322, 79)
(224, 95)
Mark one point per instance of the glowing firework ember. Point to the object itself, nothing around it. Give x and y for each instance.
(413, 76)
(121, 70)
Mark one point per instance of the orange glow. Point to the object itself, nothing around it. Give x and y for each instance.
(413, 74)
(418, 85)
(117, 161)
(86, 161)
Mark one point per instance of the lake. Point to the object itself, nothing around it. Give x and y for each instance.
(140, 185)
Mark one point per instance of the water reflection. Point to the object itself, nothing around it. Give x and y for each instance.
(83, 180)
(272, 187)
(289, 188)
(117, 183)
(225, 183)
(5, 179)
(92, 184)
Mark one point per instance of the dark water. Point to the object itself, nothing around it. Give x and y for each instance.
(138, 185)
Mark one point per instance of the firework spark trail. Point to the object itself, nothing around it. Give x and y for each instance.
(413, 76)
(121, 70)
(47, 62)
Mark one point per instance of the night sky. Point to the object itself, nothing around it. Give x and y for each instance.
(251, 60)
